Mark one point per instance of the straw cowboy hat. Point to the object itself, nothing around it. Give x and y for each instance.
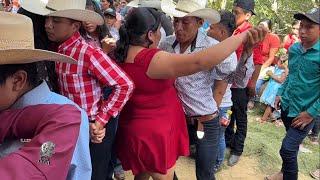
(72, 9)
(17, 45)
(196, 8)
(145, 3)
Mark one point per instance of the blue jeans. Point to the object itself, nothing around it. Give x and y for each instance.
(222, 142)
(290, 146)
(207, 148)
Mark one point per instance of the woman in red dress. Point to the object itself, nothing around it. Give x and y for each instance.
(152, 130)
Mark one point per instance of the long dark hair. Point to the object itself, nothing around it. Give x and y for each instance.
(269, 23)
(134, 30)
(102, 30)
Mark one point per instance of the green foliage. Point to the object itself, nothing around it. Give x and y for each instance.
(279, 11)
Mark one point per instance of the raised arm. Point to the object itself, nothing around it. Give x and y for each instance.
(166, 65)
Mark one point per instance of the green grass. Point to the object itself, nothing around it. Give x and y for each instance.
(263, 143)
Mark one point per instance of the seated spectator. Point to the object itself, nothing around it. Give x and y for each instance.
(277, 77)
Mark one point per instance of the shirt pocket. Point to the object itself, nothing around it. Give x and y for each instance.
(310, 70)
(71, 83)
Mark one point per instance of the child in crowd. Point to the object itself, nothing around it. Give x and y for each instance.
(277, 77)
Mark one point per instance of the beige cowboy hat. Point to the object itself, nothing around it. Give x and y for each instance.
(196, 8)
(72, 9)
(145, 3)
(17, 45)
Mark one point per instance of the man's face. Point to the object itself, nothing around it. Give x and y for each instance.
(110, 20)
(60, 29)
(308, 32)
(7, 97)
(218, 32)
(240, 15)
(186, 28)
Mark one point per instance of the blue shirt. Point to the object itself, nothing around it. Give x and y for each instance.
(301, 90)
(80, 167)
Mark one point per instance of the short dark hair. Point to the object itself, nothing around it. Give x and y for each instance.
(7, 70)
(228, 20)
(295, 22)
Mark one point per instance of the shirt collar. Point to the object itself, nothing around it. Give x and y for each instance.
(243, 27)
(38, 95)
(73, 39)
(316, 47)
(199, 43)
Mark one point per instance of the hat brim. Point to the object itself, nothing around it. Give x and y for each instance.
(23, 56)
(208, 14)
(300, 16)
(39, 7)
(147, 4)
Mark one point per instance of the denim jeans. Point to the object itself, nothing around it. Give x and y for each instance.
(290, 146)
(222, 142)
(235, 140)
(207, 148)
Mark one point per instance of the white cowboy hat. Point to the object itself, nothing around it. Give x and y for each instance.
(72, 9)
(145, 3)
(17, 44)
(196, 8)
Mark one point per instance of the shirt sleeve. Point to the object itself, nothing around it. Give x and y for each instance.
(275, 41)
(109, 74)
(44, 125)
(224, 69)
(314, 110)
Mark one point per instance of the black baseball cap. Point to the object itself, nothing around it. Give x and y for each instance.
(245, 4)
(312, 15)
(110, 12)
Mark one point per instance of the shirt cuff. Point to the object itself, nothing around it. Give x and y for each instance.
(313, 112)
(103, 118)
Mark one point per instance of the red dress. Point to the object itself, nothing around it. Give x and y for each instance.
(152, 131)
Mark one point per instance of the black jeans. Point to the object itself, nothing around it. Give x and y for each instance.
(101, 153)
(290, 146)
(207, 148)
(235, 140)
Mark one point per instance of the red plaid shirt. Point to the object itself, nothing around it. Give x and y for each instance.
(83, 82)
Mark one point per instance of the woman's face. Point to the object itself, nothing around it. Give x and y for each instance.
(104, 4)
(155, 37)
(295, 29)
(265, 25)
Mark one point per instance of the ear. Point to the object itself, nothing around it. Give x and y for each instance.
(150, 36)
(200, 22)
(248, 16)
(19, 80)
(76, 26)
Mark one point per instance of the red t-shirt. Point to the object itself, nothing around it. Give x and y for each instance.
(289, 42)
(257, 50)
(270, 41)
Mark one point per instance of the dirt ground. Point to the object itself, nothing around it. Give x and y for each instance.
(246, 169)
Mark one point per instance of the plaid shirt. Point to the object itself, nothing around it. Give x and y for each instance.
(83, 82)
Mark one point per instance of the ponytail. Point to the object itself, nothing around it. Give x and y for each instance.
(121, 51)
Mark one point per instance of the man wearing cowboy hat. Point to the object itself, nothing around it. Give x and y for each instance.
(19, 85)
(195, 91)
(243, 11)
(83, 83)
(48, 154)
(299, 95)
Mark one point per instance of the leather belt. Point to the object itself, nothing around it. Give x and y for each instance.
(191, 120)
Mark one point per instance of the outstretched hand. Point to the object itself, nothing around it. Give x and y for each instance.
(254, 36)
